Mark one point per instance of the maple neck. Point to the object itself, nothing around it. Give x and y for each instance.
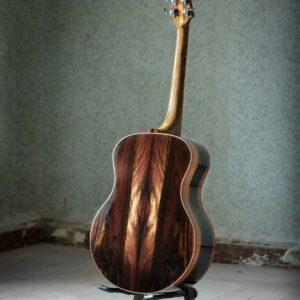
(173, 118)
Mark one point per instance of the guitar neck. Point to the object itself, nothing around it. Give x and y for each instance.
(173, 118)
(181, 13)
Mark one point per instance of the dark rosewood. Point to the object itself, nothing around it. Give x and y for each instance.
(152, 233)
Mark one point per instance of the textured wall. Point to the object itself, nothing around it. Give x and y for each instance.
(19, 114)
(105, 72)
(244, 76)
(107, 75)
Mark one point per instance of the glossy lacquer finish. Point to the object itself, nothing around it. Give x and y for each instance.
(152, 233)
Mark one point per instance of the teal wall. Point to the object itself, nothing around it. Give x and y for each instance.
(102, 71)
(19, 114)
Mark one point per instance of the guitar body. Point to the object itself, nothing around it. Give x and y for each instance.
(152, 233)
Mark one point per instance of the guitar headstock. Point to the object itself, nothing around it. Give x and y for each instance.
(181, 11)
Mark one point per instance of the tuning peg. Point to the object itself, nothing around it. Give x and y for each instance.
(172, 1)
(171, 12)
(188, 12)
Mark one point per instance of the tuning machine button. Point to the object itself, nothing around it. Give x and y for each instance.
(188, 12)
(170, 12)
(172, 1)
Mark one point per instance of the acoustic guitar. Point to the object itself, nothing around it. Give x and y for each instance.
(152, 233)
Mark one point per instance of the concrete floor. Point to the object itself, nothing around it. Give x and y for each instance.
(48, 271)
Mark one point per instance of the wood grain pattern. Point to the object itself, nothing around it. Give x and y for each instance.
(152, 233)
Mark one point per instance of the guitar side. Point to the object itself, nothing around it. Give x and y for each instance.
(205, 235)
(153, 233)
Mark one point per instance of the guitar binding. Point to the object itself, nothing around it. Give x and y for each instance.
(188, 292)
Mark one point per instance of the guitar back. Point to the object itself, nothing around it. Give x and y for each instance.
(152, 233)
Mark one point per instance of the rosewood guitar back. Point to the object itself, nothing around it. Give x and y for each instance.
(152, 233)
